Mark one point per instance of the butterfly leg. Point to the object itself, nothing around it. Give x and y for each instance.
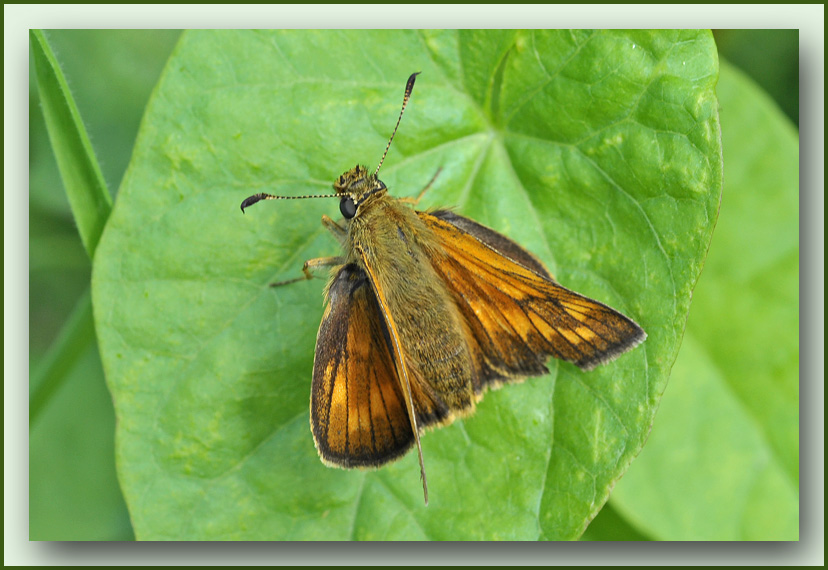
(340, 233)
(416, 200)
(310, 266)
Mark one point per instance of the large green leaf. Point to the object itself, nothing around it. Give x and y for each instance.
(598, 151)
(723, 461)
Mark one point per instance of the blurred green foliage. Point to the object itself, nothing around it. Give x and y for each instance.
(770, 58)
(73, 490)
(74, 493)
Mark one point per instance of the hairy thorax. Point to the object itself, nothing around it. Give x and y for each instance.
(429, 325)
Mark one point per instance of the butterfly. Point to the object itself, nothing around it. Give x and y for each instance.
(426, 310)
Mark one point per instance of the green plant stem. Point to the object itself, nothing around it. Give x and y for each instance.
(76, 336)
(91, 204)
(79, 169)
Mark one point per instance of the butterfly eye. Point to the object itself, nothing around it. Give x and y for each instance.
(347, 207)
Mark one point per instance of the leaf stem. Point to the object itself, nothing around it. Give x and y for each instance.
(91, 204)
(76, 336)
(79, 168)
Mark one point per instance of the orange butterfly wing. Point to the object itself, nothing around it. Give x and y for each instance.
(518, 315)
(358, 412)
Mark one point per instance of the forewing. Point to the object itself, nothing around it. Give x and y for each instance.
(494, 240)
(358, 413)
(517, 314)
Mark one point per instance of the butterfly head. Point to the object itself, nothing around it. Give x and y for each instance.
(355, 187)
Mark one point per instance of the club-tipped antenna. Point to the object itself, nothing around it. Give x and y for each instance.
(262, 196)
(409, 86)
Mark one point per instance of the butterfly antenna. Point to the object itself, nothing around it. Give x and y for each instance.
(408, 88)
(259, 197)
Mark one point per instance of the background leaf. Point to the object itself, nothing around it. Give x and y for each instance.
(723, 460)
(599, 151)
(769, 57)
(73, 490)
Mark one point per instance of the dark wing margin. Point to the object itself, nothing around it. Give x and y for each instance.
(358, 413)
(494, 240)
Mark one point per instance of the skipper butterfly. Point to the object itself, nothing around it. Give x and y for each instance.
(425, 312)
